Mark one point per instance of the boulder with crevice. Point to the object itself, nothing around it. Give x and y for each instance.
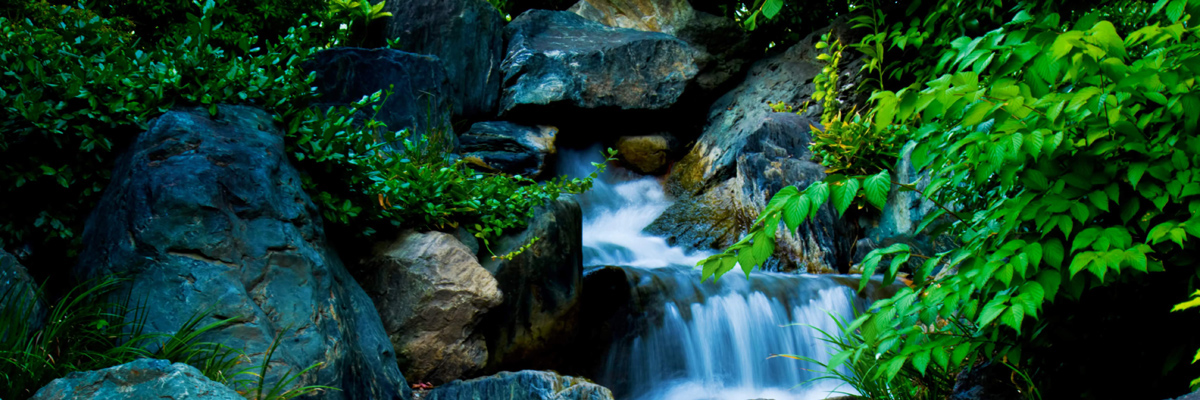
(557, 58)
(431, 293)
(531, 329)
(205, 213)
(468, 37)
(142, 379)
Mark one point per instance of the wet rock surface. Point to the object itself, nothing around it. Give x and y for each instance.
(509, 148)
(206, 213)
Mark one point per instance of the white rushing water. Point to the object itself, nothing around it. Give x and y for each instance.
(693, 340)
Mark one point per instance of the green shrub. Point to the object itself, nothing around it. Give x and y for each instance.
(1064, 152)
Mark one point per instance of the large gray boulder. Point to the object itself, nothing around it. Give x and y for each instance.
(421, 99)
(204, 213)
(431, 292)
(467, 35)
(508, 147)
(144, 379)
(559, 58)
(541, 289)
(522, 385)
(719, 45)
(19, 297)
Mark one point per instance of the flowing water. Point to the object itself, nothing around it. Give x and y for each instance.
(701, 340)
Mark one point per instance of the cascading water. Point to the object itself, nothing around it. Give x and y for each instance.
(692, 340)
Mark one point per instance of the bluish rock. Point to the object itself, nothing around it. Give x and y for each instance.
(421, 100)
(206, 213)
(467, 35)
(19, 296)
(144, 379)
(560, 58)
(522, 385)
(508, 147)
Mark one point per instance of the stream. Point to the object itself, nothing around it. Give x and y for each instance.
(702, 340)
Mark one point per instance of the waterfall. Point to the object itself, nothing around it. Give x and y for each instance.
(689, 340)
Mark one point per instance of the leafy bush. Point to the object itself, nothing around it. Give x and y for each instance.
(157, 20)
(1065, 153)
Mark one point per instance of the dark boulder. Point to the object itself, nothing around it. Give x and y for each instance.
(205, 213)
(522, 385)
(541, 289)
(713, 212)
(559, 58)
(144, 379)
(719, 45)
(987, 381)
(508, 147)
(467, 35)
(421, 99)
(431, 293)
(19, 297)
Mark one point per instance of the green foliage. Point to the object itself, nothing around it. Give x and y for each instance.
(1065, 153)
(157, 20)
(853, 364)
(284, 386)
(66, 106)
(408, 181)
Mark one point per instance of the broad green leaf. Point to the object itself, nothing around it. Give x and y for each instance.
(877, 187)
(843, 195)
(795, 212)
(771, 8)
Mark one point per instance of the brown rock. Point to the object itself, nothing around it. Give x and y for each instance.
(431, 292)
(646, 154)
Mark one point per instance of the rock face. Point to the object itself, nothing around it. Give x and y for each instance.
(713, 212)
(648, 154)
(467, 35)
(523, 385)
(19, 295)
(541, 289)
(431, 292)
(559, 58)
(144, 379)
(421, 98)
(985, 382)
(746, 154)
(207, 212)
(508, 147)
(718, 44)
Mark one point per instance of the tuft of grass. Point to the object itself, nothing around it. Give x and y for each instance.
(860, 370)
(253, 388)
